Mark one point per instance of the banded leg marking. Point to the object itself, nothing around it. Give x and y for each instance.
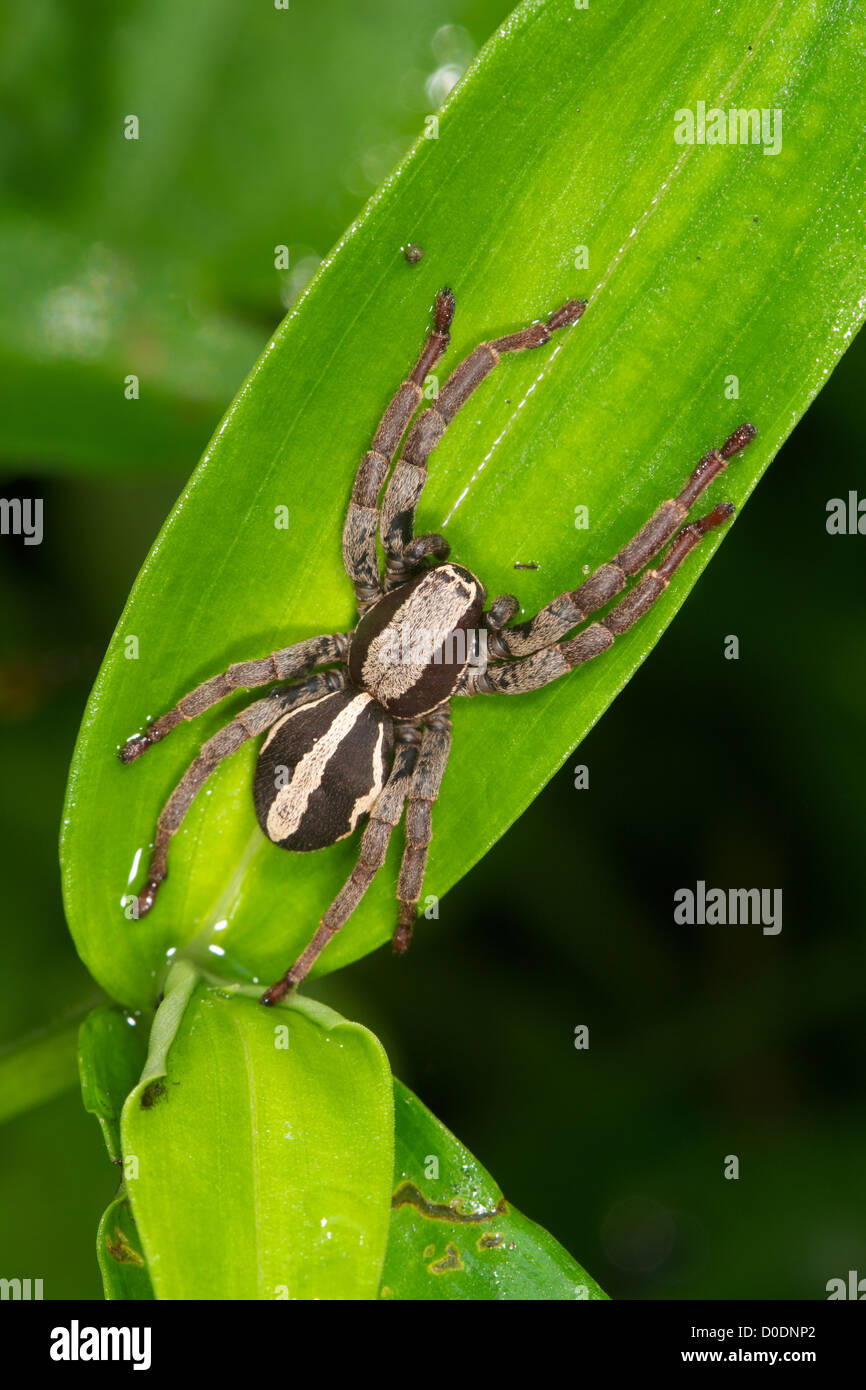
(568, 610)
(285, 665)
(424, 791)
(251, 722)
(406, 483)
(362, 519)
(515, 677)
(374, 845)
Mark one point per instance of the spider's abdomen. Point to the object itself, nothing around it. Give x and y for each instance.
(320, 770)
(410, 650)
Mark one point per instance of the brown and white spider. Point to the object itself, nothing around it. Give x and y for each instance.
(357, 741)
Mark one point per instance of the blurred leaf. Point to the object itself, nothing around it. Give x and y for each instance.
(111, 1054)
(80, 319)
(155, 256)
(38, 1067)
(452, 1233)
(264, 1152)
(706, 263)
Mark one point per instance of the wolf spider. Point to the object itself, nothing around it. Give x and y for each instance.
(370, 736)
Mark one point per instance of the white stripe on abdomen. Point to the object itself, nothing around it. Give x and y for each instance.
(291, 802)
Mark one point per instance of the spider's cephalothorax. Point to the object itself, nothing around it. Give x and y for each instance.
(412, 648)
(369, 736)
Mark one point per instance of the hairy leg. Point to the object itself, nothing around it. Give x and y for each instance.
(251, 722)
(374, 844)
(429, 771)
(572, 608)
(284, 665)
(362, 519)
(515, 677)
(397, 525)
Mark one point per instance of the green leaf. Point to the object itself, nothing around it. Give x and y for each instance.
(118, 1250)
(78, 320)
(111, 1054)
(453, 1235)
(266, 1157)
(259, 1154)
(39, 1066)
(705, 263)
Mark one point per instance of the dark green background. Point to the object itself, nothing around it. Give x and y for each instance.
(705, 1041)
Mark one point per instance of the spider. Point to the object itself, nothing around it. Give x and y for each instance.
(370, 736)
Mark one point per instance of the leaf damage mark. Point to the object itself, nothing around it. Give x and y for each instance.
(121, 1250)
(407, 1194)
(450, 1260)
(151, 1094)
(490, 1242)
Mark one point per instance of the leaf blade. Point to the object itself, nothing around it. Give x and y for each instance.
(111, 1054)
(737, 261)
(263, 1171)
(453, 1235)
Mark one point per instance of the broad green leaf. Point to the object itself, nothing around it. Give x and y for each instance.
(706, 263)
(453, 1235)
(259, 1151)
(254, 1140)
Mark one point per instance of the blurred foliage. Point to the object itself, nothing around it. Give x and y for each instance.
(37, 1067)
(704, 1042)
(258, 128)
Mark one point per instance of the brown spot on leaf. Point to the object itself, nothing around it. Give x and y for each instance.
(121, 1250)
(151, 1094)
(408, 1194)
(449, 1261)
(491, 1241)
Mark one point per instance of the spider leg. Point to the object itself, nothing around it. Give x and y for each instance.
(569, 609)
(410, 474)
(500, 612)
(249, 723)
(515, 677)
(374, 845)
(426, 781)
(362, 519)
(284, 665)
